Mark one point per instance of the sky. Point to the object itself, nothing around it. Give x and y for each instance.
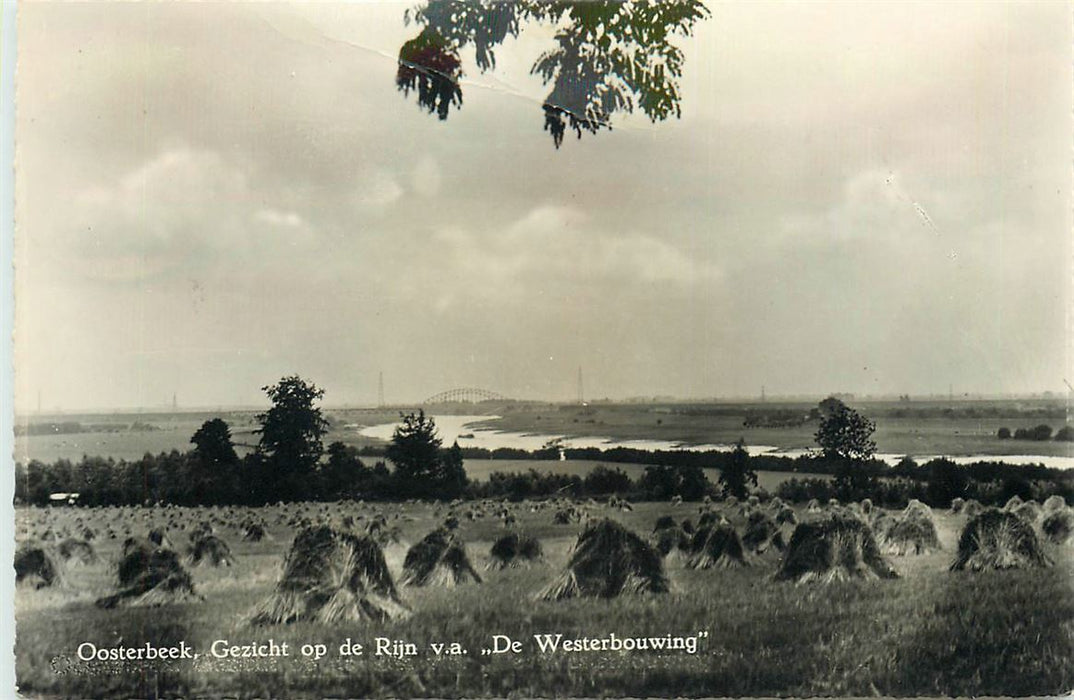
(858, 197)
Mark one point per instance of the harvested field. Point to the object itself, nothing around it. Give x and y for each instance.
(907, 636)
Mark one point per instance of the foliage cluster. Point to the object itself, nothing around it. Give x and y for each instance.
(937, 483)
(291, 465)
(1038, 433)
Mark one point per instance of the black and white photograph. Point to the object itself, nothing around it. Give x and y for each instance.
(531, 348)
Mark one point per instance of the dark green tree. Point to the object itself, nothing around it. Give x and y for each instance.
(343, 474)
(213, 473)
(451, 476)
(737, 476)
(1040, 432)
(212, 444)
(845, 439)
(663, 482)
(601, 480)
(947, 481)
(291, 432)
(415, 447)
(422, 468)
(608, 56)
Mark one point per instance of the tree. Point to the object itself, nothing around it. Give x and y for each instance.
(906, 467)
(212, 444)
(213, 473)
(422, 468)
(601, 480)
(947, 481)
(1040, 432)
(608, 56)
(737, 476)
(343, 473)
(451, 480)
(845, 438)
(291, 433)
(415, 446)
(663, 482)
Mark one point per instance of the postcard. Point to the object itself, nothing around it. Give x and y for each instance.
(542, 349)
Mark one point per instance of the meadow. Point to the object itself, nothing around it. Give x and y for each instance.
(925, 428)
(917, 428)
(929, 632)
(479, 469)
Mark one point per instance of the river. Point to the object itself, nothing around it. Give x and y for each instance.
(461, 429)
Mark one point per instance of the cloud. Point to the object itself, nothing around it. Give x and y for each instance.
(180, 212)
(378, 190)
(560, 246)
(873, 204)
(273, 217)
(778, 233)
(426, 177)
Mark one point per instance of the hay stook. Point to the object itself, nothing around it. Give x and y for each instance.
(514, 549)
(439, 559)
(609, 560)
(1058, 525)
(331, 576)
(210, 550)
(35, 566)
(836, 548)
(762, 532)
(150, 577)
(998, 539)
(77, 552)
(717, 545)
(910, 532)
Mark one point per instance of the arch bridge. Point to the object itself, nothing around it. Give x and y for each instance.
(465, 395)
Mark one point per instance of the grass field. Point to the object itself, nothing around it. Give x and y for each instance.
(479, 469)
(931, 632)
(930, 434)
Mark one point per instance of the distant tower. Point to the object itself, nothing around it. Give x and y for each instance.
(762, 393)
(175, 402)
(380, 390)
(581, 394)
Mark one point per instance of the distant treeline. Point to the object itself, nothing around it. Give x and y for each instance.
(717, 459)
(1039, 433)
(986, 410)
(905, 409)
(182, 478)
(185, 478)
(74, 427)
(784, 418)
(938, 482)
